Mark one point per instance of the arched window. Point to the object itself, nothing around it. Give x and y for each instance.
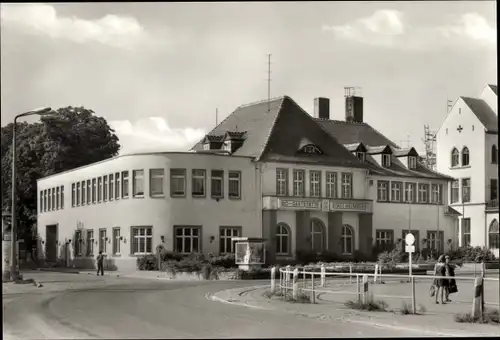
(311, 149)
(317, 235)
(347, 240)
(283, 239)
(455, 156)
(493, 235)
(494, 154)
(465, 156)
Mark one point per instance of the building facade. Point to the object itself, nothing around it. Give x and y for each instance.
(269, 170)
(467, 149)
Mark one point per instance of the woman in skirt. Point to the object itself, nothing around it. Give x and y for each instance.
(441, 284)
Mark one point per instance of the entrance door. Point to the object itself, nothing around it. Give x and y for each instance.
(51, 245)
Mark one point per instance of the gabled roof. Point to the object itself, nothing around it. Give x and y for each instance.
(493, 88)
(404, 152)
(483, 112)
(375, 150)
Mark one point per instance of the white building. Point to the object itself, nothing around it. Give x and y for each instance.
(467, 149)
(268, 170)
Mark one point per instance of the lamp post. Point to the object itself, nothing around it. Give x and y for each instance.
(13, 263)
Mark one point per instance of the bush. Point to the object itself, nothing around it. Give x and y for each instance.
(391, 258)
(490, 316)
(306, 256)
(370, 306)
(225, 261)
(471, 254)
(148, 262)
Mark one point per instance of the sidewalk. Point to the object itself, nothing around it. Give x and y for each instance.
(428, 325)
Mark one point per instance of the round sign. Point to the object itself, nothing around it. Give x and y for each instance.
(410, 239)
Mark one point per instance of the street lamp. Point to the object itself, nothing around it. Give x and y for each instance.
(41, 112)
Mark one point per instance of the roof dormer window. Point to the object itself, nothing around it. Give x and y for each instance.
(311, 149)
(361, 156)
(412, 162)
(386, 160)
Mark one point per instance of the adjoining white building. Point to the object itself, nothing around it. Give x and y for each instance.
(269, 170)
(467, 149)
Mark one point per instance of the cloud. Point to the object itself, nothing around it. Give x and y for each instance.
(472, 26)
(154, 134)
(112, 30)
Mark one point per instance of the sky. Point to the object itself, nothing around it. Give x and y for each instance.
(159, 71)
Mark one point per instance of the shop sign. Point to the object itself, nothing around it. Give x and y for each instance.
(300, 204)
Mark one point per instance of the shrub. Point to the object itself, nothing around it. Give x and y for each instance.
(306, 256)
(370, 306)
(471, 254)
(148, 262)
(490, 316)
(225, 261)
(391, 258)
(406, 308)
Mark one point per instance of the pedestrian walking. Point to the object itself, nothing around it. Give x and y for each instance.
(100, 266)
(452, 284)
(440, 284)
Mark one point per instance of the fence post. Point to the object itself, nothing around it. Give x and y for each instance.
(323, 276)
(475, 269)
(380, 271)
(273, 280)
(483, 271)
(304, 277)
(313, 293)
(413, 299)
(357, 288)
(477, 305)
(350, 272)
(295, 287)
(288, 273)
(376, 273)
(365, 289)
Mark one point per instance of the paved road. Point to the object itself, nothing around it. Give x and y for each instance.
(86, 306)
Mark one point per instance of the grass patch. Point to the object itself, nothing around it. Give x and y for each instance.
(302, 297)
(371, 305)
(406, 308)
(268, 294)
(490, 316)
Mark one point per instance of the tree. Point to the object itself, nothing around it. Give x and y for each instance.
(71, 138)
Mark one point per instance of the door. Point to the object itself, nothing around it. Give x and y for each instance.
(51, 243)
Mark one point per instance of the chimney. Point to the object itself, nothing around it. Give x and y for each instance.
(353, 106)
(322, 108)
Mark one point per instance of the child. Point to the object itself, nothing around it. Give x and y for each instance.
(100, 260)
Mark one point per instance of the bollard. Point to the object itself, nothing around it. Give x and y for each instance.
(323, 276)
(413, 299)
(295, 287)
(477, 302)
(376, 273)
(357, 288)
(365, 289)
(313, 293)
(350, 273)
(273, 280)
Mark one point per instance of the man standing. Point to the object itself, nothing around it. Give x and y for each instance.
(100, 260)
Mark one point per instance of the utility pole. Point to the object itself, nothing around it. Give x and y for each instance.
(268, 82)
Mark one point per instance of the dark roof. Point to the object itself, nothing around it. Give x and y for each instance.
(404, 152)
(493, 88)
(355, 147)
(483, 112)
(374, 150)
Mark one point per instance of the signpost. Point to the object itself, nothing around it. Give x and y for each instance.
(410, 248)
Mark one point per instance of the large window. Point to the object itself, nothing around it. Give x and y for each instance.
(346, 185)
(138, 183)
(45, 200)
(382, 191)
(384, 240)
(317, 235)
(178, 182)
(78, 243)
(187, 240)
(410, 192)
(89, 191)
(396, 191)
(102, 240)
(282, 182)
(494, 235)
(434, 242)
(111, 187)
(53, 198)
(94, 190)
(437, 193)
(116, 241)
(465, 232)
(117, 186)
(283, 239)
(234, 184)
(315, 183)
(423, 193)
(62, 197)
(156, 177)
(494, 154)
(142, 240)
(198, 183)
(331, 184)
(217, 183)
(347, 240)
(73, 195)
(99, 189)
(90, 242)
(125, 186)
(41, 207)
(78, 193)
(83, 193)
(455, 157)
(105, 188)
(493, 189)
(298, 183)
(226, 244)
(465, 190)
(465, 156)
(58, 200)
(455, 191)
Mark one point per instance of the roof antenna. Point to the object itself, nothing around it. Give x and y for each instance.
(269, 82)
(216, 117)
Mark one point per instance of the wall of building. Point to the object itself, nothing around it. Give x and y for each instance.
(161, 213)
(491, 169)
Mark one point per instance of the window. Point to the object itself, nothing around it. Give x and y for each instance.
(226, 244)
(361, 156)
(142, 240)
(346, 185)
(58, 200)
(283, 239)
(62, 196)
(178, 182)
(117, 185)
(435, 243)
(386, 160)
(156, 177)
(282, 182)
(111, 187)
(198, 182)
(78, 193)
(410, 192)
(311, 149)
(105, 188)
(125, 186)
(217, 183)
(89, 191)
(465, 232)
(455, 191)
(116, 241)
(494, 154)
(465, 190)
(493, 189)
(99, 189)
(94, 190)
(40, 195)
(382, 191)
(45, 199)
(384, 240)
(138, 183)
(90, 242)
(494, 235)
(78, 243)
(83, 193)
(187, 240)
(53, 198)
(412, 162)
(317, 235)
(234, 184)
(315, 183)
(423, 193)
(102, 240)
(437, 193)
(331, 184)
(455, 156)
(347, 240)
(298, 183)
(396, 191)
(465, 156)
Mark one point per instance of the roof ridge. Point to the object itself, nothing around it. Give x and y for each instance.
(259, 102)
(339, 121)
(272, 128)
